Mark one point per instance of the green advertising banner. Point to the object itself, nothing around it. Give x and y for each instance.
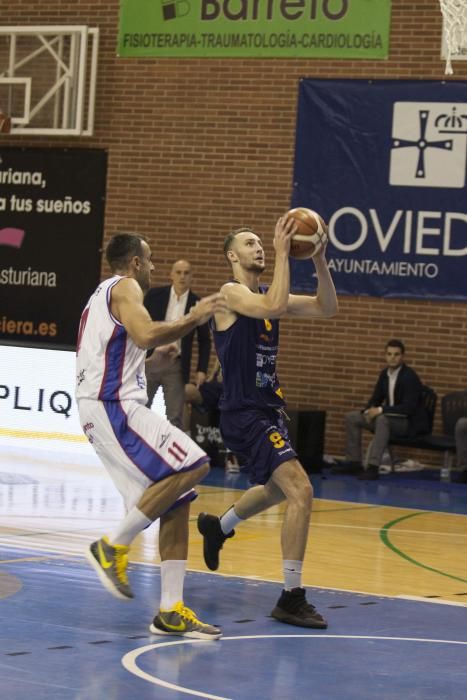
(255, 28)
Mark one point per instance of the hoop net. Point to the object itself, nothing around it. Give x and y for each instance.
(455, 27)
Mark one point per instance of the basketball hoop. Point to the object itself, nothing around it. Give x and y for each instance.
(5, 124)
(455, 27)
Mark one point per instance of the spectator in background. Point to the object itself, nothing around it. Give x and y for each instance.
(461, 448)
(394, 409)
(207, 395)
(206, 398)
(170, 303)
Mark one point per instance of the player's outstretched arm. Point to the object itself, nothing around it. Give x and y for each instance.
(324, 304)
(242, 300)
(127, 307)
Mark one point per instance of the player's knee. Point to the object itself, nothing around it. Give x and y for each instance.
(303, 493)
(194, 476)
(203, 470)
(307, 493)
(273, 495)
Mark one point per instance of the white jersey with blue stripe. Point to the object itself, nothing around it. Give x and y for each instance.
(109, 365)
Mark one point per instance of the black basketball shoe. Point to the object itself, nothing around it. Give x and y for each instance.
(293, 609)
(210, 527)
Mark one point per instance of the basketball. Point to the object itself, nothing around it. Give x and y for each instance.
(311, 234)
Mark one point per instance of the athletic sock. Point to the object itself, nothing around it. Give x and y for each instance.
(229, 520)
(292, 573)
(172, 579)
(132, 524)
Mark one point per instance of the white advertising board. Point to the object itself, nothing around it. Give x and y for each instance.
(37, 400)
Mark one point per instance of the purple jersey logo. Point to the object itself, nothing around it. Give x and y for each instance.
(12, 237)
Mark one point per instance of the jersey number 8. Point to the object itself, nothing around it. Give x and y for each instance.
(277, 440)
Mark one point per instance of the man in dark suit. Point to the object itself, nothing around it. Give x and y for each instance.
(394, 409)
(168, 304)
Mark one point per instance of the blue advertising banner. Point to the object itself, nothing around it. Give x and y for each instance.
(384, 163)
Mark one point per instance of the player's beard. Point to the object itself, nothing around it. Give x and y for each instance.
(256, 266)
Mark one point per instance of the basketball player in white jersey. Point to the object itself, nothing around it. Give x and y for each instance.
(153, 464)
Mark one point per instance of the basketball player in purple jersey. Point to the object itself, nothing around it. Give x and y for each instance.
(252, 407)
(153, 464)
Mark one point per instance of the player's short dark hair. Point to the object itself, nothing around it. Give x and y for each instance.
(394, 343)
(229, 239)
(121, 248)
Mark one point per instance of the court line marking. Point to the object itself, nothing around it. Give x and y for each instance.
(82, 532)
(42, 435)
(316, 511)
(128, 661)
(387, 542)
(436, 533)
(94, 530)
(38, 558)
(317, 499)
(419, 599)
(72, 556)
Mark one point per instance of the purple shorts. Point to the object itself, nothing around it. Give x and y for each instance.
(260, 439)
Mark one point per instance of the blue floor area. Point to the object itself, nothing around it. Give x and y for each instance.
(62, 637)
(422, 490)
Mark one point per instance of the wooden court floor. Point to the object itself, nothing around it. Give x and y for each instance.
(377, 549)
(358, 546)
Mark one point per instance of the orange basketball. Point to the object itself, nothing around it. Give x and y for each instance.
(311, 234)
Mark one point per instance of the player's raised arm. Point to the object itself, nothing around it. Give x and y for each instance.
(246, 256)
(324, 304)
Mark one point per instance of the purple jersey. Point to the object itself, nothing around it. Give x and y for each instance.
(247, 352)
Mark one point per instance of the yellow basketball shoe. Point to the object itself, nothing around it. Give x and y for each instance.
(110, 561)
(182, 621)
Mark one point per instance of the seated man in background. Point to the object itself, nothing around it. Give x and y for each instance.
(461, 448)
(206, 396)
(394, 409)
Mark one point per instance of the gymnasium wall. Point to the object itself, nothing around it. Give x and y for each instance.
(198, 147)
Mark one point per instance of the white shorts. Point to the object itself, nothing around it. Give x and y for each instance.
(137, 446)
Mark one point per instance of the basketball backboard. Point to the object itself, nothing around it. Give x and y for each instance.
(48, 79)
